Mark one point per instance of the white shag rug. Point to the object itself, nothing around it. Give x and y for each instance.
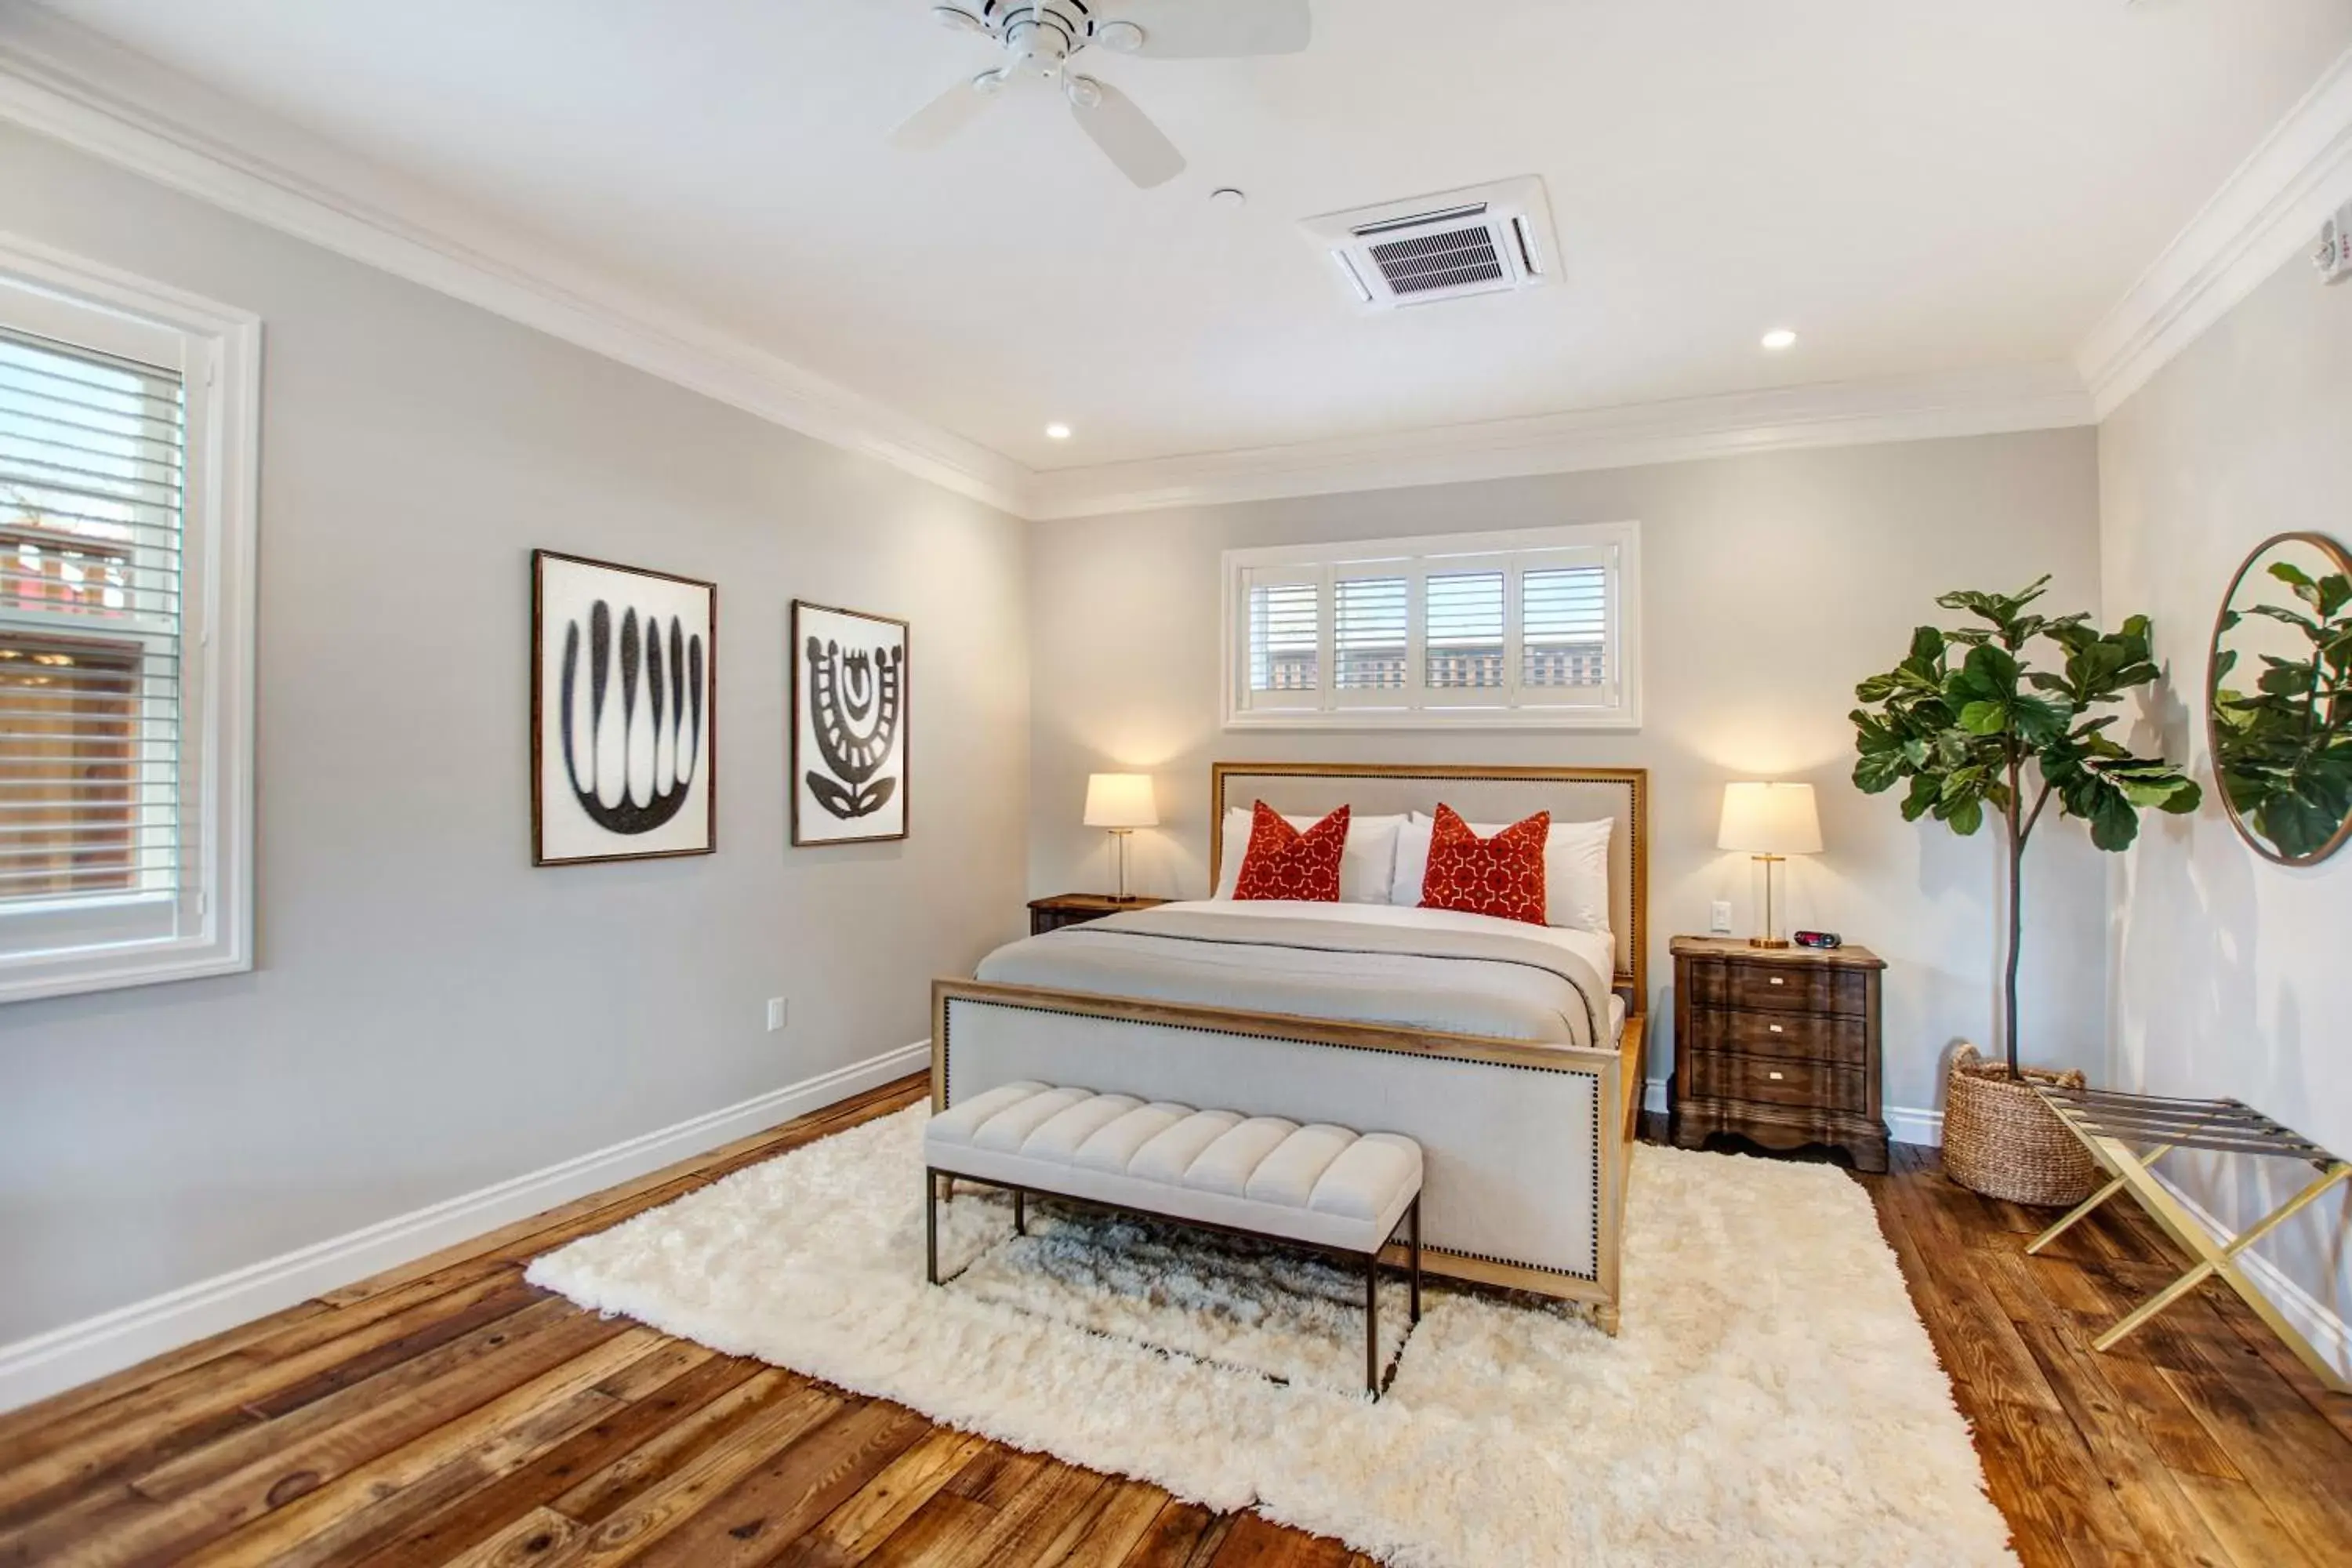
(1773, 1398)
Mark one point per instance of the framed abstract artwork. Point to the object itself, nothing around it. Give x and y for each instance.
(849, 726)
(624, 712)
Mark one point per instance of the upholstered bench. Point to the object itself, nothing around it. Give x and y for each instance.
(1317, 1186)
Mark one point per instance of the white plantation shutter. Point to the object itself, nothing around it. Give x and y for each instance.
(1370, 631)
(1564, 618)
(1464, 637)
(1530, 628)
(92, 464)
(1286, 640)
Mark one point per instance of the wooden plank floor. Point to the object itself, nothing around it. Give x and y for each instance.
(447, 1413)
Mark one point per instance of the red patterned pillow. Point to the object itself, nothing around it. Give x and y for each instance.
(1283, 863)
(1499, 875)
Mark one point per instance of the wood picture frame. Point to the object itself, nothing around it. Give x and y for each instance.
(849, 767)
(679, 703)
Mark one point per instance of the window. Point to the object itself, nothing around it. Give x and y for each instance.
(1526, 629)
(126, 538)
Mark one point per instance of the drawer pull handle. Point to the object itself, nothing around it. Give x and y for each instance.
(1774, 1027)
(1775, 1077)
(1777, 980)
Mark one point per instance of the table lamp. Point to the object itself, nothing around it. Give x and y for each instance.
(1771, 822)
(1121, 803)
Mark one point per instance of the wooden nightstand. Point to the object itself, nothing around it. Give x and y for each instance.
(1779, 1044)
(1077, 908)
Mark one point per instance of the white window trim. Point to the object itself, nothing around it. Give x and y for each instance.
(1625, 714)
(221, 367)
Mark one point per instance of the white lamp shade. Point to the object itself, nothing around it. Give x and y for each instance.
(1769, 819)
(1120, 800)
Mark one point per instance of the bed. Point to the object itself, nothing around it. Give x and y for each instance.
(1512, 1053)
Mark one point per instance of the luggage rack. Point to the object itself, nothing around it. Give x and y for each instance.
(2111, 1124)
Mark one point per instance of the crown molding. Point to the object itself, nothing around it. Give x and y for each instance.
(68, 84)
(1975, 402)
(2268, 211)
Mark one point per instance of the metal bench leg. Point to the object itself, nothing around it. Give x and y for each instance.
(1020, 1212)
(932, 1227)
(1415, 1217)
(1372, 1321)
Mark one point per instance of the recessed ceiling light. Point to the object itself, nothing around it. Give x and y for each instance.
(1057, 432)
(1231, 198)
(1780, 338)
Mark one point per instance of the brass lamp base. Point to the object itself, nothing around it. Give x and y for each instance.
(1765, 938)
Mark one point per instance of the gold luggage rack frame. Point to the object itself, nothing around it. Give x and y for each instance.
(2110, 1122)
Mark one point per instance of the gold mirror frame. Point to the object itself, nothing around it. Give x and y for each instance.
(2340, 560)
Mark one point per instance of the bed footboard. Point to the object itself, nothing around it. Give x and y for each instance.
(1526, 1144)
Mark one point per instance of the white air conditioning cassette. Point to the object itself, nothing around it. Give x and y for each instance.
(1486, 239)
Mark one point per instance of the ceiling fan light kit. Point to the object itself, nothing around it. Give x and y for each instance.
(1040, 37)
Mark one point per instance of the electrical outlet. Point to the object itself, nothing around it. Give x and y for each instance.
(780, 1012)
(1719, 918)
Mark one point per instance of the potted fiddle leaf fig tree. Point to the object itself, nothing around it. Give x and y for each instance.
(1977, 732)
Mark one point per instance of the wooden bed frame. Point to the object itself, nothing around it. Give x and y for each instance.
(1619, 1072)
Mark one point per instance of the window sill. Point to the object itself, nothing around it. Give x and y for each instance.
(1374, 720)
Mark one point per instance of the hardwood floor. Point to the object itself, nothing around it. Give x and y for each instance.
(447, 1413)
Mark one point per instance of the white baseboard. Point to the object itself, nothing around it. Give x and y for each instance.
(49, 1362)
(2312, 1318)
(1904, 1124)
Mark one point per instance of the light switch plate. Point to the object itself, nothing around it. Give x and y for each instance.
(1719, 918)
(780, 1010)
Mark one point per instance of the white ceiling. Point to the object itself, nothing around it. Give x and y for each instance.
(1915, 189)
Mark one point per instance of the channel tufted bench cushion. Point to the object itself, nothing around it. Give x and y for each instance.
(1320, 1184)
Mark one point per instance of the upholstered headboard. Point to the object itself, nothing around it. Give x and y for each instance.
(1480, 794)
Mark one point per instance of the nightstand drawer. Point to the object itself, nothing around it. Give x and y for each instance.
(1779, 987)
(1778, 1080)
(1823, 1037)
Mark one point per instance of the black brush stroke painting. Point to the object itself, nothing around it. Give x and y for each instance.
(854, 704)
(673, 697)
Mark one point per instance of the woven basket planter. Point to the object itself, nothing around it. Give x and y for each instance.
(2000, 1140)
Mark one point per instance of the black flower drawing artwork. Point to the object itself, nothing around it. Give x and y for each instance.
(855, 701)
(671, 712)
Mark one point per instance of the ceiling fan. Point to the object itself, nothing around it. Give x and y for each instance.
(1040, 37)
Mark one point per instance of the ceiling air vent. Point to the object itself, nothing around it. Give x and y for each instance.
(1479, 241)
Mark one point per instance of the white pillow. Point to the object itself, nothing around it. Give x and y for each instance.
(1575, 870)
(1366, 865)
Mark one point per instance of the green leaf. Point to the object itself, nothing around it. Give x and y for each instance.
(2281, 612)
(1926, 645)
(2285, 678)
(2293, 576)
(1985, 717)
(1965, 819)
(1925, 793)
(2038, 721)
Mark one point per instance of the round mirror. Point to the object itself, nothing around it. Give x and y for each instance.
(2279, 699)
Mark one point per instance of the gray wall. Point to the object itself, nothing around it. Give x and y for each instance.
(1773, 584)
(2231, 973)
(429, 1014)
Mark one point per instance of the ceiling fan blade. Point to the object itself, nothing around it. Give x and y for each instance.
(946, 114)
(1127, 136)
(1217, 29)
